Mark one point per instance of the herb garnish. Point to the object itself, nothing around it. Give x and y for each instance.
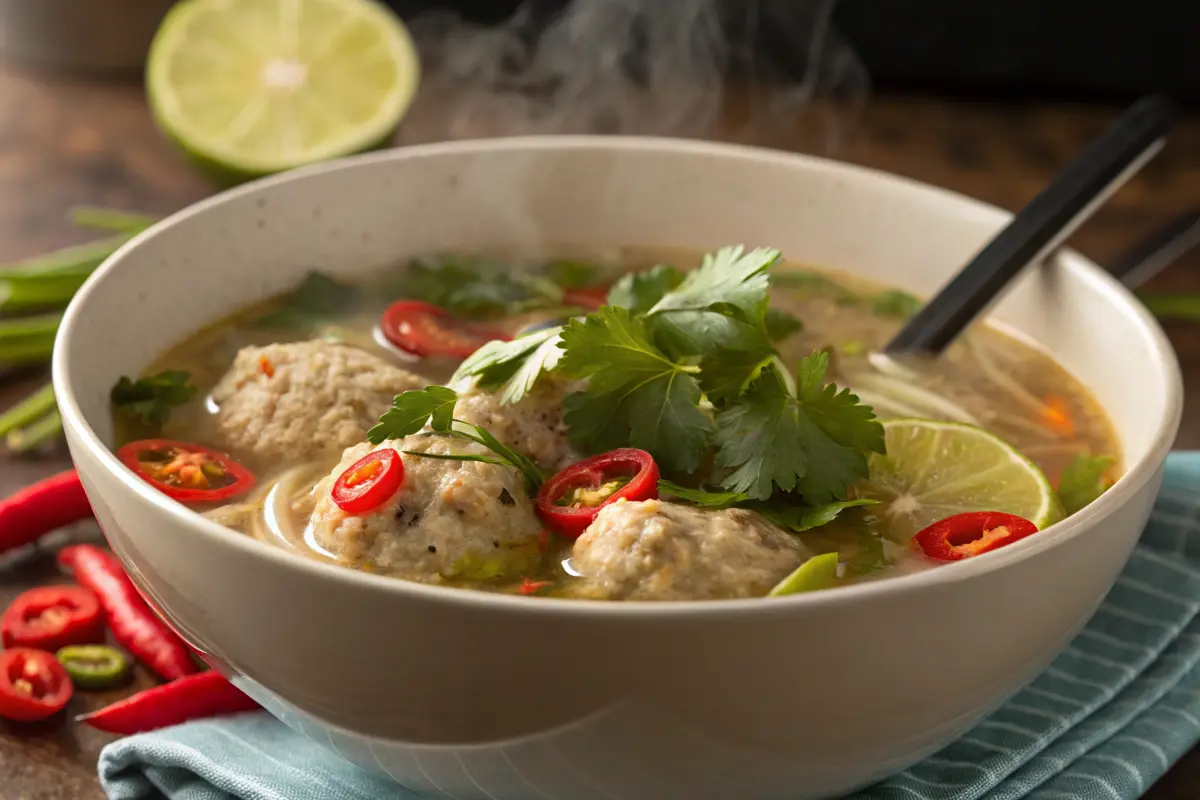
(149, 400)
(434, 406)
(319, 298)
(683, 365)
(1083, 480)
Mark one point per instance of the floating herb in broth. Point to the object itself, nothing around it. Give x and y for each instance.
(747, 381)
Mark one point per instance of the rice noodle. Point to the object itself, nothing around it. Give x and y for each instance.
(275, 521)
(913, 395)
(1001, 379)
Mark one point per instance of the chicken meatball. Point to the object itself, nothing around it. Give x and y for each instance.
(533, 426)
(652, 550)
(302, 400)
(450, 519)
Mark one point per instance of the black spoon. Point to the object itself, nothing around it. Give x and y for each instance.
(1095, 174)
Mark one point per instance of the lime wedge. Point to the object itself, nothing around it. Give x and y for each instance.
(935, 470)
(254, 87)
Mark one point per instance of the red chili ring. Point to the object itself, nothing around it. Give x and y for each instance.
(592, 473)
(428, 330)
(971, 534)
(52, 617)
(240, 479)
(369, 482)
(33, 685)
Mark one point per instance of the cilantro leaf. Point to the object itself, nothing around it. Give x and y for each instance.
(475, 288)
(781, 324)
(728, 278)
(705, 498)
(434, 405)
(149, 400)
(571, 274)
(317, 298)
(636, 395)
(727, 374)
(802, 518)
(412, 410)
(497, 361)
(894, 303)
(1083, 480)
(639, 291)
(543, 359)
(812, 442)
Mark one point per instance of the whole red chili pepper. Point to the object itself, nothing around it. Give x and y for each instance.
(42, 507)
(52, 617)
(132, 622)
(207, 694)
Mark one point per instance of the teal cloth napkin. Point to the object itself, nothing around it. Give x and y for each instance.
(1103, 722)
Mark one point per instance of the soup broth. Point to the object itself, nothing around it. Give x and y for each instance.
(989, 379)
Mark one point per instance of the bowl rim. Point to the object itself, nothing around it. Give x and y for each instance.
(1135, 477)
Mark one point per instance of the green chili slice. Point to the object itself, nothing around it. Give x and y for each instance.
(94, 666)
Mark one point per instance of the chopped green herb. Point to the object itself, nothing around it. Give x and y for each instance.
(730, 278)
(859, 548)
(149, 400)
(803, 518)
(1083, 480)
(571, 274)
(476, 288)
(636, 395)
(639, 291)
(894, 303)
(434, 406)
(818, 572)
(705, 498)
(317, 299)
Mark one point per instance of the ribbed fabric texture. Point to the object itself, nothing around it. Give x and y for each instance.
(1103, 722)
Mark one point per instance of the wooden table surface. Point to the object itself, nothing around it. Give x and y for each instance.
(63, 144)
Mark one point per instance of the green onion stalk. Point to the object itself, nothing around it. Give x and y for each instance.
(33, 294)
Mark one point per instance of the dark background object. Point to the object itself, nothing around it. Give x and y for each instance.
(1103, 50)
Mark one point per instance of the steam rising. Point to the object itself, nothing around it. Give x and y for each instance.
(652, 67)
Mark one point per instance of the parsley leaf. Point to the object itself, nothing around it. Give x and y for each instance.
(812, 442)
(434, 406)
(802, 518)
(412, 410)
(730, 278)
(543, 359)
(705, 498)
(317, 299)
(149, 400)
(639, 291)
(781, 324)
(1083, 480)
(727, 374)
(497, 361)
(636, 395)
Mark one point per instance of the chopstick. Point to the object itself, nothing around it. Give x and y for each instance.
(1041, 227)
(1158, 251)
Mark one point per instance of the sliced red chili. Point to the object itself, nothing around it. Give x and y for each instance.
(590, 297)
(369, 482)
(187, 472)
(531, 587)
(570, 500)
(33, 685)
(971, 534)
(427, 330)
(52, 617)
(206, 694)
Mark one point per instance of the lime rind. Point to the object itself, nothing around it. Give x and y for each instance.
(936, 469)
(380, 74)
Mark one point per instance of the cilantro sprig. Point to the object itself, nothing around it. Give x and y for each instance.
(684, 365)
(433, 406)
(149, 400)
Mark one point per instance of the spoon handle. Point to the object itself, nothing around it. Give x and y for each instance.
(1040, 227)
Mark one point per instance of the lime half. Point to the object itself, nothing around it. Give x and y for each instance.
(935, 470)
(254, 87)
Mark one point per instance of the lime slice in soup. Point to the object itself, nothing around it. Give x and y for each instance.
(935, 470)
(254, 87)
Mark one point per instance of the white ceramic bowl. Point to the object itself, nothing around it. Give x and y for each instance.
(468, 695)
